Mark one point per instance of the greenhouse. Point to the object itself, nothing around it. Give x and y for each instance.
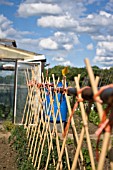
(13, 83)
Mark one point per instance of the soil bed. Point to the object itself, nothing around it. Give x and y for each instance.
(7, 153)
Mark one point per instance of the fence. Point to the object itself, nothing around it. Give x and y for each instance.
(55, 140)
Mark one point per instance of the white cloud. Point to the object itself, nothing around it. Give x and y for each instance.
(61, 22)
(69, 19)
(60, 41)
(68, 46)
(106, 45)
(90, 46)
(5, 26)
(93, 24)
(66, 38)
(97, 24)
(4, 22)
(62, 61)
(104, 53)
(103, 13)
(26, 10)
(7, 30)
(2, 34)
(67, 6)
(59, 59)
(67, 63)
(90, 16)
(48, 43)
(102, 37)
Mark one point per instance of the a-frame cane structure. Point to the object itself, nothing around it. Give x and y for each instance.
(44, 135)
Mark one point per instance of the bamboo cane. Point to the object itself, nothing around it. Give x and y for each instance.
(54, 129)
(45, 134)
(31, 115)
(78, 141)
(42, 146)
(62, 150)
(42, 140)
(51, 137)
(36, 114)
(30, 91)
(84, 117)
(32, 129)
(31, 143)
(58, 105)
(36, 141)
(57, 142)
(100, 111)
(79, 146)
(37, 136)
(37, 123)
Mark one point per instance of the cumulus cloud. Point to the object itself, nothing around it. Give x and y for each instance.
(7, 30)
(93, 24)
(109, 5)
(104, 53)
(67, 6)
(67, 63)
(102, 37)
(68, 46)
(26, 10)
(61, 22)
(59, 59)
(66, 38)
(5, 26)
(62, 61)
(59, 41)
(70, 19)
(90, 46)
(96, 24)
(48, 43)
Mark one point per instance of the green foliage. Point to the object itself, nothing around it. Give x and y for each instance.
(53, 155)
(20, 143)
(87, 161)
(8, 125)
(94, 117)
(69, 141)
(106, 75)
(72, 72)
(4, 111)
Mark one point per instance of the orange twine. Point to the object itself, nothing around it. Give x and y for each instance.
(105, 124)
(73, 110)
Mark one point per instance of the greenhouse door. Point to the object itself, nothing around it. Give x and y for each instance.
(23, 73)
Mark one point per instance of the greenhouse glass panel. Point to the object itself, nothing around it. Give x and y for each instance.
(6, 89)
(24, 74)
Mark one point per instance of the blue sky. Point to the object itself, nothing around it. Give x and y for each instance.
(65, 31)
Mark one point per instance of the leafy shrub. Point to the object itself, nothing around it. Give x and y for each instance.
(87, 161)
(20, 143)
(94, 117)
(8, 125)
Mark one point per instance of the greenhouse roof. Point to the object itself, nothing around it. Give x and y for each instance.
(13, 53)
